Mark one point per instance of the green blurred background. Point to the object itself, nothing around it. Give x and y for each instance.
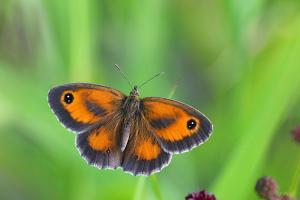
(236, 61)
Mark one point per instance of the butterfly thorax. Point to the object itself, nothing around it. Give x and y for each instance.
(131, 105)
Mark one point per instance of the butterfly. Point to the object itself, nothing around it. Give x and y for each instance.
(113, 130)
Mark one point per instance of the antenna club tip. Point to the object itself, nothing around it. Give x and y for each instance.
(117, 66)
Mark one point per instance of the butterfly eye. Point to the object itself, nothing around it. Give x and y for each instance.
(191, 124)
(68, 98)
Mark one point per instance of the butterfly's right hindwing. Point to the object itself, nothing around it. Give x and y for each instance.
(100, 146)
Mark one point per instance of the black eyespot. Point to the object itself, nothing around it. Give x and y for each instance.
(68, 98)
(191, 124)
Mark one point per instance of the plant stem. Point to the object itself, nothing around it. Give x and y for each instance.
(154, 181)
(155, 187)
(80, 40)
(139, 188)
(171, 94)
(294, 188)
(153, 178)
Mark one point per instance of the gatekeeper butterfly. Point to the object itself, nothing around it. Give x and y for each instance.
(114, 130)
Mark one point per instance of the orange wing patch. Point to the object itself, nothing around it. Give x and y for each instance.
(147, 150)
(78, 109)
(162, 112)
(100, 140)
(143, 153)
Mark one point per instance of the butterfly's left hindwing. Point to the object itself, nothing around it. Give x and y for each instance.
(178, 127)
(79, 106)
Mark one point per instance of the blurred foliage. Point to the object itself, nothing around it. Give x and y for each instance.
(237, 61)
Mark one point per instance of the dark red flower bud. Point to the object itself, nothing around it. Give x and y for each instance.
(296, 134)
(286, 197)
(201, 195)
(266, 188)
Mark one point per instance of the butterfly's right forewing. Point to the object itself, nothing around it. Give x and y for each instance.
(79, 106)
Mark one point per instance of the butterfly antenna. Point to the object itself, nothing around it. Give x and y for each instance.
(157, 75)
(171, 94)
(124, 76)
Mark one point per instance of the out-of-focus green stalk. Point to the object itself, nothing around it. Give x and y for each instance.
(268, 93)
(153, 178)
(147, 29)
(80, 40)
(81, 70)
(146, 50)
(173, 91)
(295, 187)
(140, 188)
(156, 188)
(30, 114)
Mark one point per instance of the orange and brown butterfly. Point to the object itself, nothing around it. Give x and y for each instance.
(114, 130)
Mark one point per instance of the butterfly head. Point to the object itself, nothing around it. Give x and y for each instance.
(135, 92)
